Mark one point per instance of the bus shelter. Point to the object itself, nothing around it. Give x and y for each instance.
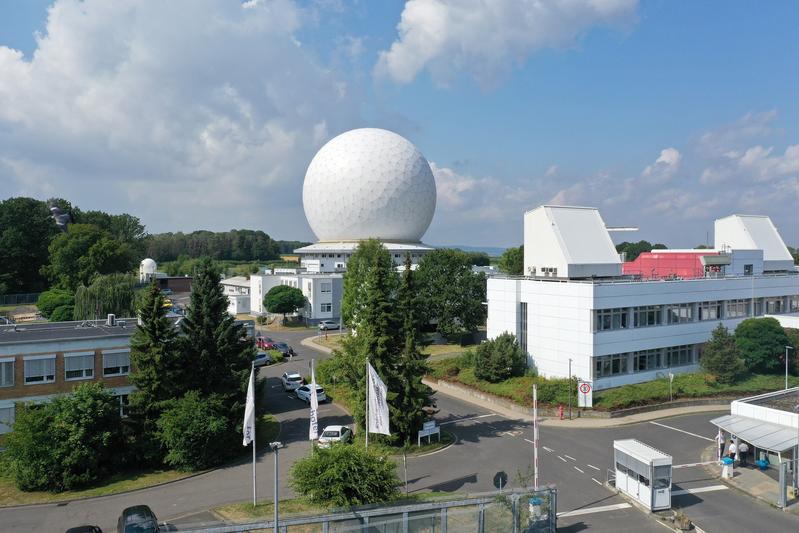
(643, 473)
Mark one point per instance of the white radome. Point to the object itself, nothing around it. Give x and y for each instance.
(368, 183)
(147, 266)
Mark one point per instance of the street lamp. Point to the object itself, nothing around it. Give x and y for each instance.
(275, 446)
(786, 365)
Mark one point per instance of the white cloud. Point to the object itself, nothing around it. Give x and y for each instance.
(161, 109)
(664, 167)
(486, 38)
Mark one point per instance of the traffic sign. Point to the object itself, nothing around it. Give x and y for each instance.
(500, 479)
(585, 398)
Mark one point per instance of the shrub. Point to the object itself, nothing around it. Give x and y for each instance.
(761, 342)
(345, 475)
(196, 432)
(466, 359)
(721, 357)
(50, 300)
(67, 443)
(500, 359)
(62, 313)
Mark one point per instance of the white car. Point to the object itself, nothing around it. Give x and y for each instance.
(325, 325)
(333, 434)
(291, 381)
(304, 394)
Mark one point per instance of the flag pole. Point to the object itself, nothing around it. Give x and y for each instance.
(367, 403)
(254, 494)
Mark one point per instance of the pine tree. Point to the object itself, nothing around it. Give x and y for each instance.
(721, 356)
(411, 395)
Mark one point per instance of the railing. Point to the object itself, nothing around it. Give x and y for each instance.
(635, 279)
(19, 299)
(512, 511)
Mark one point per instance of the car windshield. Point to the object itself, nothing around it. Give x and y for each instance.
(148, 526)
(330, 434)
(294, 378)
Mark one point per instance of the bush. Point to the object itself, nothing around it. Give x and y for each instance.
(344, 475)
(499, 359)
(62, 313)
(67, 443)
(50, 300)
(196, 432)
(762, 342)
(466, 359)
(721, 357)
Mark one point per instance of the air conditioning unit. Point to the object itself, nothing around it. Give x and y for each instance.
(122, 323)
(111, 320)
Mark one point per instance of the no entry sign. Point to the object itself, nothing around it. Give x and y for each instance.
(585, 394)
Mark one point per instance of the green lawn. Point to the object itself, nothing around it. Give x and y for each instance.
(268, 429)
(435, 351)
(555, 391)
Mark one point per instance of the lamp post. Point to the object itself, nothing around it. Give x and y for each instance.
(786, 365)
(275, 447)
(570, 388)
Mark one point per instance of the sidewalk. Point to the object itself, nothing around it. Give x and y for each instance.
(749, 480)
(309, 342)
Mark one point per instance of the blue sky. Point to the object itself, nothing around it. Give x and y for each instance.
(663, 114)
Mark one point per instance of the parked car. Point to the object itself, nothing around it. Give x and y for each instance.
(265, 343)
(284, 348)
(262, 359)
(166, 291)
(304, 394)
(329, 324)
(138, 519)
(84, 529)
(291, 381)
(5, 321)
(333, 434)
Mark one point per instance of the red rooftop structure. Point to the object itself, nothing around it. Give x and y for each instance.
(660, 264)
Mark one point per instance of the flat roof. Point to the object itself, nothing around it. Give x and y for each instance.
(765, 435)
(238, 281)
(639, 450)
(786, 400)
(57, 331)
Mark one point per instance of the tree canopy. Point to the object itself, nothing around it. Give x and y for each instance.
(512, 261)
(237, 245)
(26, 229)
(283, 299)
(107, 294)
(499, 359)
(633, 249)
(721, 356)
(369, 254)
(762, 342)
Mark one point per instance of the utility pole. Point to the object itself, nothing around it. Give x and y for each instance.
(535, 436)
(570, 388)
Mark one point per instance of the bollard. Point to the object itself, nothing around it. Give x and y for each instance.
(560, 411)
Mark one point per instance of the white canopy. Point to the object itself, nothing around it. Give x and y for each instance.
(765, 435)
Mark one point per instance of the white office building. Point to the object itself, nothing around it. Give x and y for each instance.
(620, 323)
(322, 291)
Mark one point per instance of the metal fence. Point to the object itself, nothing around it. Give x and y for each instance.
(19, 299)
(512, 511)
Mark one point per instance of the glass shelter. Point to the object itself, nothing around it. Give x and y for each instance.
(643, 473)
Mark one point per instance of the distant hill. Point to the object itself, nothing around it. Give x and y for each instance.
(492, 251)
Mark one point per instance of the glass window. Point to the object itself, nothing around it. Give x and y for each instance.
(40, 370)
(710, 311)
(748, 270)
(116, 364)
(6, 418)
(327, 308)
(736, 308)
(774, 306)
(680, 313)
(79, 366)
(7, 374)
(648, 315)
(680, 355)
(646, 360)
(610, 365)
(326, 287)
(124, 404)
(794, 303)
(611, 318)
(643, 480)
(523, 326)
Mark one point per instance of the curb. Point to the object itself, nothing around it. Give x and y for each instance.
(309, 343)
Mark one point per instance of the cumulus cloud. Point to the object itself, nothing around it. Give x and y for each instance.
(486, 38)
(664, 167)
(164, 109)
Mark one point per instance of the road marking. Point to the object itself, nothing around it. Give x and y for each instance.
(595, 468)
(550, 450)
(683, 431)
(688, 465)
(590, 510)
(569, 457)
(530, 441)
(697, 490)
(466, 419)
(514, 433)
(595, 480)
(581, 471)
(562, 459)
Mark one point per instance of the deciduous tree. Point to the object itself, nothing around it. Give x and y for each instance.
(284, 299)
(761, 342)
(512, 261)
(26, 229)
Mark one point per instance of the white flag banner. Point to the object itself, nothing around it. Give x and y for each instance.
(313, 430)
(378, 406)
(249, 412)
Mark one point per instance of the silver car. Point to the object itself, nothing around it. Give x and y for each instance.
(291, 381)
(333, 434)
(304, 394)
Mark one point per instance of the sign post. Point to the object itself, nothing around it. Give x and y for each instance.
(500, 480)
(428, 429)
(586, 396)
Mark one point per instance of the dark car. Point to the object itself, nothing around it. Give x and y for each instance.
(284, 348)
(84, 529)
(138, 519)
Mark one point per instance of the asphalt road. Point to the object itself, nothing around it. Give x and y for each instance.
(575, 460)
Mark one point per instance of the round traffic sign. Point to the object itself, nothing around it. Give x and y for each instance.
(585, 388)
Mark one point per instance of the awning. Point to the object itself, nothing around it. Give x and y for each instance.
(764, 435)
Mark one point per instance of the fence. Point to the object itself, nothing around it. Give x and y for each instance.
(19, 299)
(512, 511)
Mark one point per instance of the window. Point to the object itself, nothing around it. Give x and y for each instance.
(748, 270)
(680, 355)
(737, 308)
(774, 306)
(758, 307)
(709, 310)
(326, 287)
(523, 326)
(124, 405)
(116, 363)
(611, 319)
(643, 480)
(40, 369)
(680, 313)
(646, 360)
(6, 372)
(648, 315)
(6, 418)
(78, 366)
(327, 308)
(793, 302)
(610, 365)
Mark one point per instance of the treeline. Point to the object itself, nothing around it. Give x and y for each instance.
(233, 245)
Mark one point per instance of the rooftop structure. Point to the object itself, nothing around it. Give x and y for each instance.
(64, 331)
(754, 232)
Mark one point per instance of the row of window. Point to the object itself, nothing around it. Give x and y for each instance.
(41, 369)
(645, 360)
(7, 414)
(656, 315)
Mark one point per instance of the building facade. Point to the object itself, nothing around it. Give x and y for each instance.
(580, 311)
(322, 292)
(40, 361)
